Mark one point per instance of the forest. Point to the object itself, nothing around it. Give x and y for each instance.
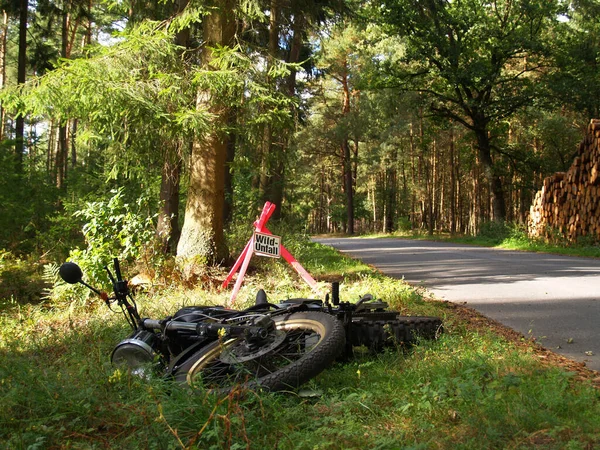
(156, 131)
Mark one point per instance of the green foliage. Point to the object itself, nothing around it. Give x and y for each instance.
(575, 50)
(403, 224)
(495, 230)
(114, 228)
(236, 79)
(28, 201)
(477, 53)
(136, 78)
(133, 99)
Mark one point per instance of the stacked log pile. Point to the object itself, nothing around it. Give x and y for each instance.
(568, 202)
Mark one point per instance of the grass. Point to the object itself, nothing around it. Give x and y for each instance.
(471, 389)
(510, 237)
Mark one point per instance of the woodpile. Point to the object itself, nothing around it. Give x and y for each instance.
(568, 203)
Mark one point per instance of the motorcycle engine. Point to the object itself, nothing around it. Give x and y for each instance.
(136, 352)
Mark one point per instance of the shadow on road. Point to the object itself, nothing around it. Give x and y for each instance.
(449, 264)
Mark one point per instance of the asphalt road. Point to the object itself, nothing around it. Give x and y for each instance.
(555, 299)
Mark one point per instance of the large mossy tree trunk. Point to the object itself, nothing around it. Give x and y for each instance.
(202, 239)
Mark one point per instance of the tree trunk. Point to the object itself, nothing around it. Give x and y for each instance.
(393, 194)
(273, 184)
(63, 141)
(413, 179)
(202, 238)
(320, 218)
(383, 175)
(373, 191)
(346, 160)
(452, 185)
(268, 151)
(3, 41)
(50, 147)
(228, 207)
(88, 29)
(298, 27)
(275, 139)
(74, 127)
(276, 181)
(167, 229)
(432, 180)
(61, 157)
(21, 73)
(348, 187)
(495, 182)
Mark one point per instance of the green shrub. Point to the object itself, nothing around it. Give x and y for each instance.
(113, 228)
(404, 224)
(494, 230)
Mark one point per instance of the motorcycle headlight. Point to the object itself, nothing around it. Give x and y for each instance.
(136, 351)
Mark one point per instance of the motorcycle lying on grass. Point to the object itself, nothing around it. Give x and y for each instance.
(266, 346)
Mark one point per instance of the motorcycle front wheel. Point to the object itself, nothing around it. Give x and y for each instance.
(300, 347)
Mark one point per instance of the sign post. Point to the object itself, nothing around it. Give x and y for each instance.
(263, 243)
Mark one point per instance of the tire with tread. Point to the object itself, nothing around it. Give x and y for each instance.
(404, 330)
(303, 345)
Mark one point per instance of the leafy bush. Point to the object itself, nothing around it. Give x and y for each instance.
(494, 230)
(404, 224)
(517, 234)
(504, 232)
(114, 228)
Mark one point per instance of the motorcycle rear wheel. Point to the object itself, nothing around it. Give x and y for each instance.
(402, 331)
(301, 346)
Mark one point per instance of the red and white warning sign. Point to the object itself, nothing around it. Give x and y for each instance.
(263, 243)
(267, 245)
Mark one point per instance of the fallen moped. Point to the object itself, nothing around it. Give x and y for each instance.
(270, 346)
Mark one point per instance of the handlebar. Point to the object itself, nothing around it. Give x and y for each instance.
(151, 324)
(170, 325)
(259, 331)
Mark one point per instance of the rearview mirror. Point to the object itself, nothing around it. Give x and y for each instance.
(70, 272)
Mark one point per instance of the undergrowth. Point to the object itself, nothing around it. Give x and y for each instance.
(470, 389)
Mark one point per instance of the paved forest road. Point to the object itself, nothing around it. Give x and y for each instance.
(554, 298)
